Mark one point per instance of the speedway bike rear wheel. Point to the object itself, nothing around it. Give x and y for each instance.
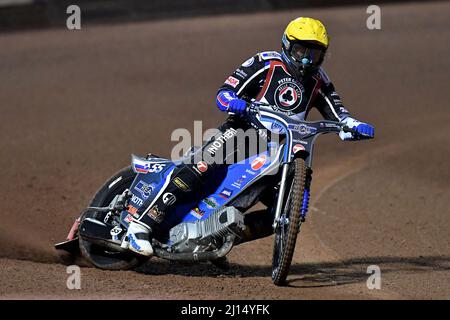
(289, 225)
(100, 256)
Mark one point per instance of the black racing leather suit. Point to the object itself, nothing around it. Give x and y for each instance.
(263, 77)
(266, 78)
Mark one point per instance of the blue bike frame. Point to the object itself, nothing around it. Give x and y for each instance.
(154, 174)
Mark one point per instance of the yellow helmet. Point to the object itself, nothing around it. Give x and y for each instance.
(307, 29)
(304, 44)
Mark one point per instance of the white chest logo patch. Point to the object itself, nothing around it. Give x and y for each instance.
(288, 96)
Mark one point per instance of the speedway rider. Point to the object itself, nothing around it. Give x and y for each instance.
(292, 81)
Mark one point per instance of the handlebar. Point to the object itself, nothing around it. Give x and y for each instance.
(254, 107)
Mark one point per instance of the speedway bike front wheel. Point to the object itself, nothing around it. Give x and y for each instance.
(288, 226)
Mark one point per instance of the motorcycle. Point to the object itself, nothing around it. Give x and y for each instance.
(207, 229)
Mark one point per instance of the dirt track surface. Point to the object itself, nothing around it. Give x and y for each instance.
(75, 105)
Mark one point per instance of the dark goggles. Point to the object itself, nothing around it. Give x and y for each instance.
(307, 54)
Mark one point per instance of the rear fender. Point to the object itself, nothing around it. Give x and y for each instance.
(71, 242)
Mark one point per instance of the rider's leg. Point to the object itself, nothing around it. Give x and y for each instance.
(180, 188)
(187, 181)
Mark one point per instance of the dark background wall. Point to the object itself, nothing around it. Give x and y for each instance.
(52, 13)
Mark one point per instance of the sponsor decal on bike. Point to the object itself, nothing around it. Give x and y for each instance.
(133, 211)
(137, 201)
(197, 213)
(226, 193)
(180, 184)
(156, 168)
(128, 218)
(168, 199)
(144, 188)
(258, 162)
(303, 129)
(232, 81)
(141, 166)
(220, 140)
(210, 202)
(202, 166)
(155, 214)
(275, 127)
(250, 172)
(288, 95)
(248, 63)
(297, 148)
(238, 183)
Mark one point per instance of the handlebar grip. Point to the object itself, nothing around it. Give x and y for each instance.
(248, 108)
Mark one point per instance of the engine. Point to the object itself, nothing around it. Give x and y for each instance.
(189, 236)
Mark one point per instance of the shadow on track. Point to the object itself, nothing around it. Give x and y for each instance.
(308, 274)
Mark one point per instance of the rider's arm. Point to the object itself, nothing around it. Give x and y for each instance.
(328, 101)
(243, 83)
(330, 106)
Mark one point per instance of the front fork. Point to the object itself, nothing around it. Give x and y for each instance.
(306, 195)
(280, 199)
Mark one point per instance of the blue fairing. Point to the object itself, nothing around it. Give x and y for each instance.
(147, 183)
(239, 176)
